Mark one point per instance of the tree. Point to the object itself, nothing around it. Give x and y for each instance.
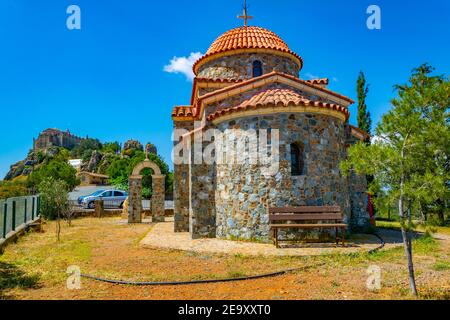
(55, 201)
(58, 169)
(85, 148)
(409, 159)
(364, 120)
(111, 147)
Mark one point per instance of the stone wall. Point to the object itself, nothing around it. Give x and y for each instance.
(360, 219)
(181, 189)
(158, 194)
(202, 184)
(240, 66)
(135, 200)
(244, 193)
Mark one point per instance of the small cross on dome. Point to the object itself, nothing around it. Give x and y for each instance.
(244, 15)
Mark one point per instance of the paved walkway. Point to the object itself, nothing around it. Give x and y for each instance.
(162, 236)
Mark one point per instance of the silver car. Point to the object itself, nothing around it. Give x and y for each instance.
(111, 199)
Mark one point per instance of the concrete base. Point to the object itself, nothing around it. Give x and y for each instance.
(13, 236)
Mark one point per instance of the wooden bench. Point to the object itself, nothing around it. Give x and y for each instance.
(307, 218)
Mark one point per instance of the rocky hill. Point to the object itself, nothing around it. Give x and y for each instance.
(96, 156)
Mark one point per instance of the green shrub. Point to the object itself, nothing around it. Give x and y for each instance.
(57, 169)
(15, 188)
(54, 198)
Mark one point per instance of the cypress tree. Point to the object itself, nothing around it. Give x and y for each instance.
(362, 88)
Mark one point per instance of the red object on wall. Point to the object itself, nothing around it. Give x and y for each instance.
(370, 209)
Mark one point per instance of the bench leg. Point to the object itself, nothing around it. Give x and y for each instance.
(343, 236)
(336, 230)
(276, 237)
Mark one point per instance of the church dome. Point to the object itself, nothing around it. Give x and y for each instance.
(244, 39)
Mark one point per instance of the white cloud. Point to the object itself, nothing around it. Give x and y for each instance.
(183, 65)
(335, 79)
(311, 76)
(379, 140)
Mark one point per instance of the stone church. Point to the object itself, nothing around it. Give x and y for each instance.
(249, 80)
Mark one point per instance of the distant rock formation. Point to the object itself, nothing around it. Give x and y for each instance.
(94, 161)
(25, 167)
(133, 145)
(90, 155)
(151, 148)
(55, 138)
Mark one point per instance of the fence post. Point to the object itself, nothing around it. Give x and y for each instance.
(38, 209)
(25, 211)
(32, 208)
(13, 227)
(5, 213)
(99, 208)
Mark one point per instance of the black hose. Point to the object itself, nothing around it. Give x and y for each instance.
(381, 246)
(175, 283)
(191, 282)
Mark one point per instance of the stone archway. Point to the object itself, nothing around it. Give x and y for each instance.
(135, 197)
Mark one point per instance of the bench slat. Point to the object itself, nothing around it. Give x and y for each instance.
(317, 225)
(306, 209)
(303, 217)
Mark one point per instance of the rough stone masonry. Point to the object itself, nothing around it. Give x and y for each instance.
(249, 81)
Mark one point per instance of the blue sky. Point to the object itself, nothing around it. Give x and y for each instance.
(107, 80)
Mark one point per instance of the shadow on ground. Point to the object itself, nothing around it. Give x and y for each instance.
(391, 236)
(12, 277)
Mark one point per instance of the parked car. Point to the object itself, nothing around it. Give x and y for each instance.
(111, 199)
(94, 194)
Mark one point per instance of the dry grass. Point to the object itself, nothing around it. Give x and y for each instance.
(35, 268)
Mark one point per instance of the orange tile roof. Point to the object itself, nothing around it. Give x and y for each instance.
(247, 38)
(277, 98)
(195, 108)
(275, 73)
(202, 81)
(95, 175)
(359, 133)
(323, 81)
(183, 112)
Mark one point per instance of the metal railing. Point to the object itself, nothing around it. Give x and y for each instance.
(15, 212)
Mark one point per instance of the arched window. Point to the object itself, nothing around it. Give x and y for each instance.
(257, 69)
(297, 164)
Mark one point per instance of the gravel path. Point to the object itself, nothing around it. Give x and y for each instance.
(162, 236)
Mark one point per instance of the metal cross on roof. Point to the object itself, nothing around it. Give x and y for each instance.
(245, 16)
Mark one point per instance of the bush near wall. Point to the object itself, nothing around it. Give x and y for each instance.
(14, 188)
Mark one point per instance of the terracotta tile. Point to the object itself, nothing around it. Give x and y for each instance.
(247, 38)
(279, 98)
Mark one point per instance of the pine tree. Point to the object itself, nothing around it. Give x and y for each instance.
(362, 88)
(409, 161)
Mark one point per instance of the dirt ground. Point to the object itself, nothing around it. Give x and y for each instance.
(35, 268)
